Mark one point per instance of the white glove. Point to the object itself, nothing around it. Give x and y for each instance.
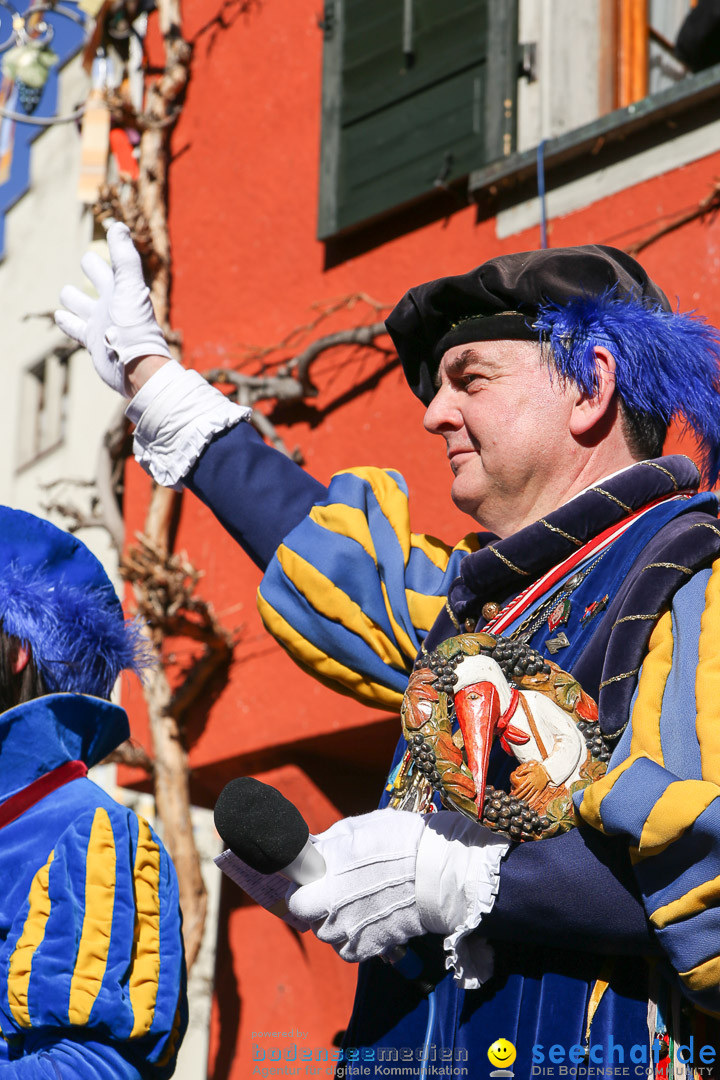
(120, 325)
(365, 904)
(392, 875)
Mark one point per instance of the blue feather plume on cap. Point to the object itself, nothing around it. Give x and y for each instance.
(668, 363)
(78, 641)
(57, 599)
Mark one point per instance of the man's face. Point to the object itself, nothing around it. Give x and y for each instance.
(505, 423)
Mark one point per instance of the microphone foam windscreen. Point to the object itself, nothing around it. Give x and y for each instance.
(260, 825)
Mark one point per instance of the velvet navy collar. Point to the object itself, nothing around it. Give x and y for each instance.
(503, 568)
(40, 735)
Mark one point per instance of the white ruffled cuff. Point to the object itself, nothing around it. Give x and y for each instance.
(176, 413)
(457, 880)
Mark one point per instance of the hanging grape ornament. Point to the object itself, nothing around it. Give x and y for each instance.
(28, 59)
(29, 63)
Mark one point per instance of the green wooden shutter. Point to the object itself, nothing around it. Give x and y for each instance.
(416, 93)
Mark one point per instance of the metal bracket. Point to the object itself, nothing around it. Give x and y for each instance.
(527, 64)
(327, 23)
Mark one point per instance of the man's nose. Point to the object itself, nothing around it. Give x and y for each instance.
(442, 412)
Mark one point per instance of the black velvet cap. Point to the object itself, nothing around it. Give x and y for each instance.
(499, 300)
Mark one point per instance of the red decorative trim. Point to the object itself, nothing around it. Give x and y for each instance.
(538, 589)
(17, 804)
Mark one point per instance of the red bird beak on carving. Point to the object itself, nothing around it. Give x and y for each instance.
(480, 716)
(477, 708)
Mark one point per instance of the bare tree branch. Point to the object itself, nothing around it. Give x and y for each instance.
(709, 205)
(292, 382)
(131, 754)
(75, 518)
(159, 586)
(358, 335)
(268, 431)
(142, 204)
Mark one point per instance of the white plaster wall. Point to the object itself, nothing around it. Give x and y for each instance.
(46, 233)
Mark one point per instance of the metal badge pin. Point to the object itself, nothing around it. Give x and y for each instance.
(559, 614)
(594, 609)
(553, 645)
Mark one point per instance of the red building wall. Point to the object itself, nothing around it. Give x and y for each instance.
(248, 270)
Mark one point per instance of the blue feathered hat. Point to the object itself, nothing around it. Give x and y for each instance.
(57, 599)
(668, 363)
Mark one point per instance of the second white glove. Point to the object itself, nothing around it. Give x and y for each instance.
(392, 875)
(365, 904)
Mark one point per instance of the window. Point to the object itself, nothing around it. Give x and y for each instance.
(43, 407)
(420, 95)
(607, 106)
(594, 58)
(664, 20)
(416, 94)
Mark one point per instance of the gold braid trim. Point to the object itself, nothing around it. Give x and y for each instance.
(668, 566)
(621, 504)
(612, 735)
(453, 616)
(515, 569)
(660, 468)
(560, 532)
(617, 678)
(691, 462)
(706, 525)
(462, 319)
(635, 618)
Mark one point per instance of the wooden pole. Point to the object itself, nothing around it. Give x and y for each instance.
(633, 41)
(624, 24)
(171, 769)
(639, 49)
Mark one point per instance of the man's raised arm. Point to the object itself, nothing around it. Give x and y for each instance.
(186, 432)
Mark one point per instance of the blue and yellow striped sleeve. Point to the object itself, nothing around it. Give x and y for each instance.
(351, 592)
(96, 950)
(663, 788)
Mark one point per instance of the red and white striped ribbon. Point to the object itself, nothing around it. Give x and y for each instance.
(592, 548)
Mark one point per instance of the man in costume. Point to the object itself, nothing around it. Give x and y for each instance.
(551, 376)
(91, 957)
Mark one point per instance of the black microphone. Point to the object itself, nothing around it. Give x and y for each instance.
(267, 831)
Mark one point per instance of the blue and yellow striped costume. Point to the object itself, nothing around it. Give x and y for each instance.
(91, 958)
(662, 792)
(352, 594)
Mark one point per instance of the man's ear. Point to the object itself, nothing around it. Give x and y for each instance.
(20, 659)
(590, 409)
